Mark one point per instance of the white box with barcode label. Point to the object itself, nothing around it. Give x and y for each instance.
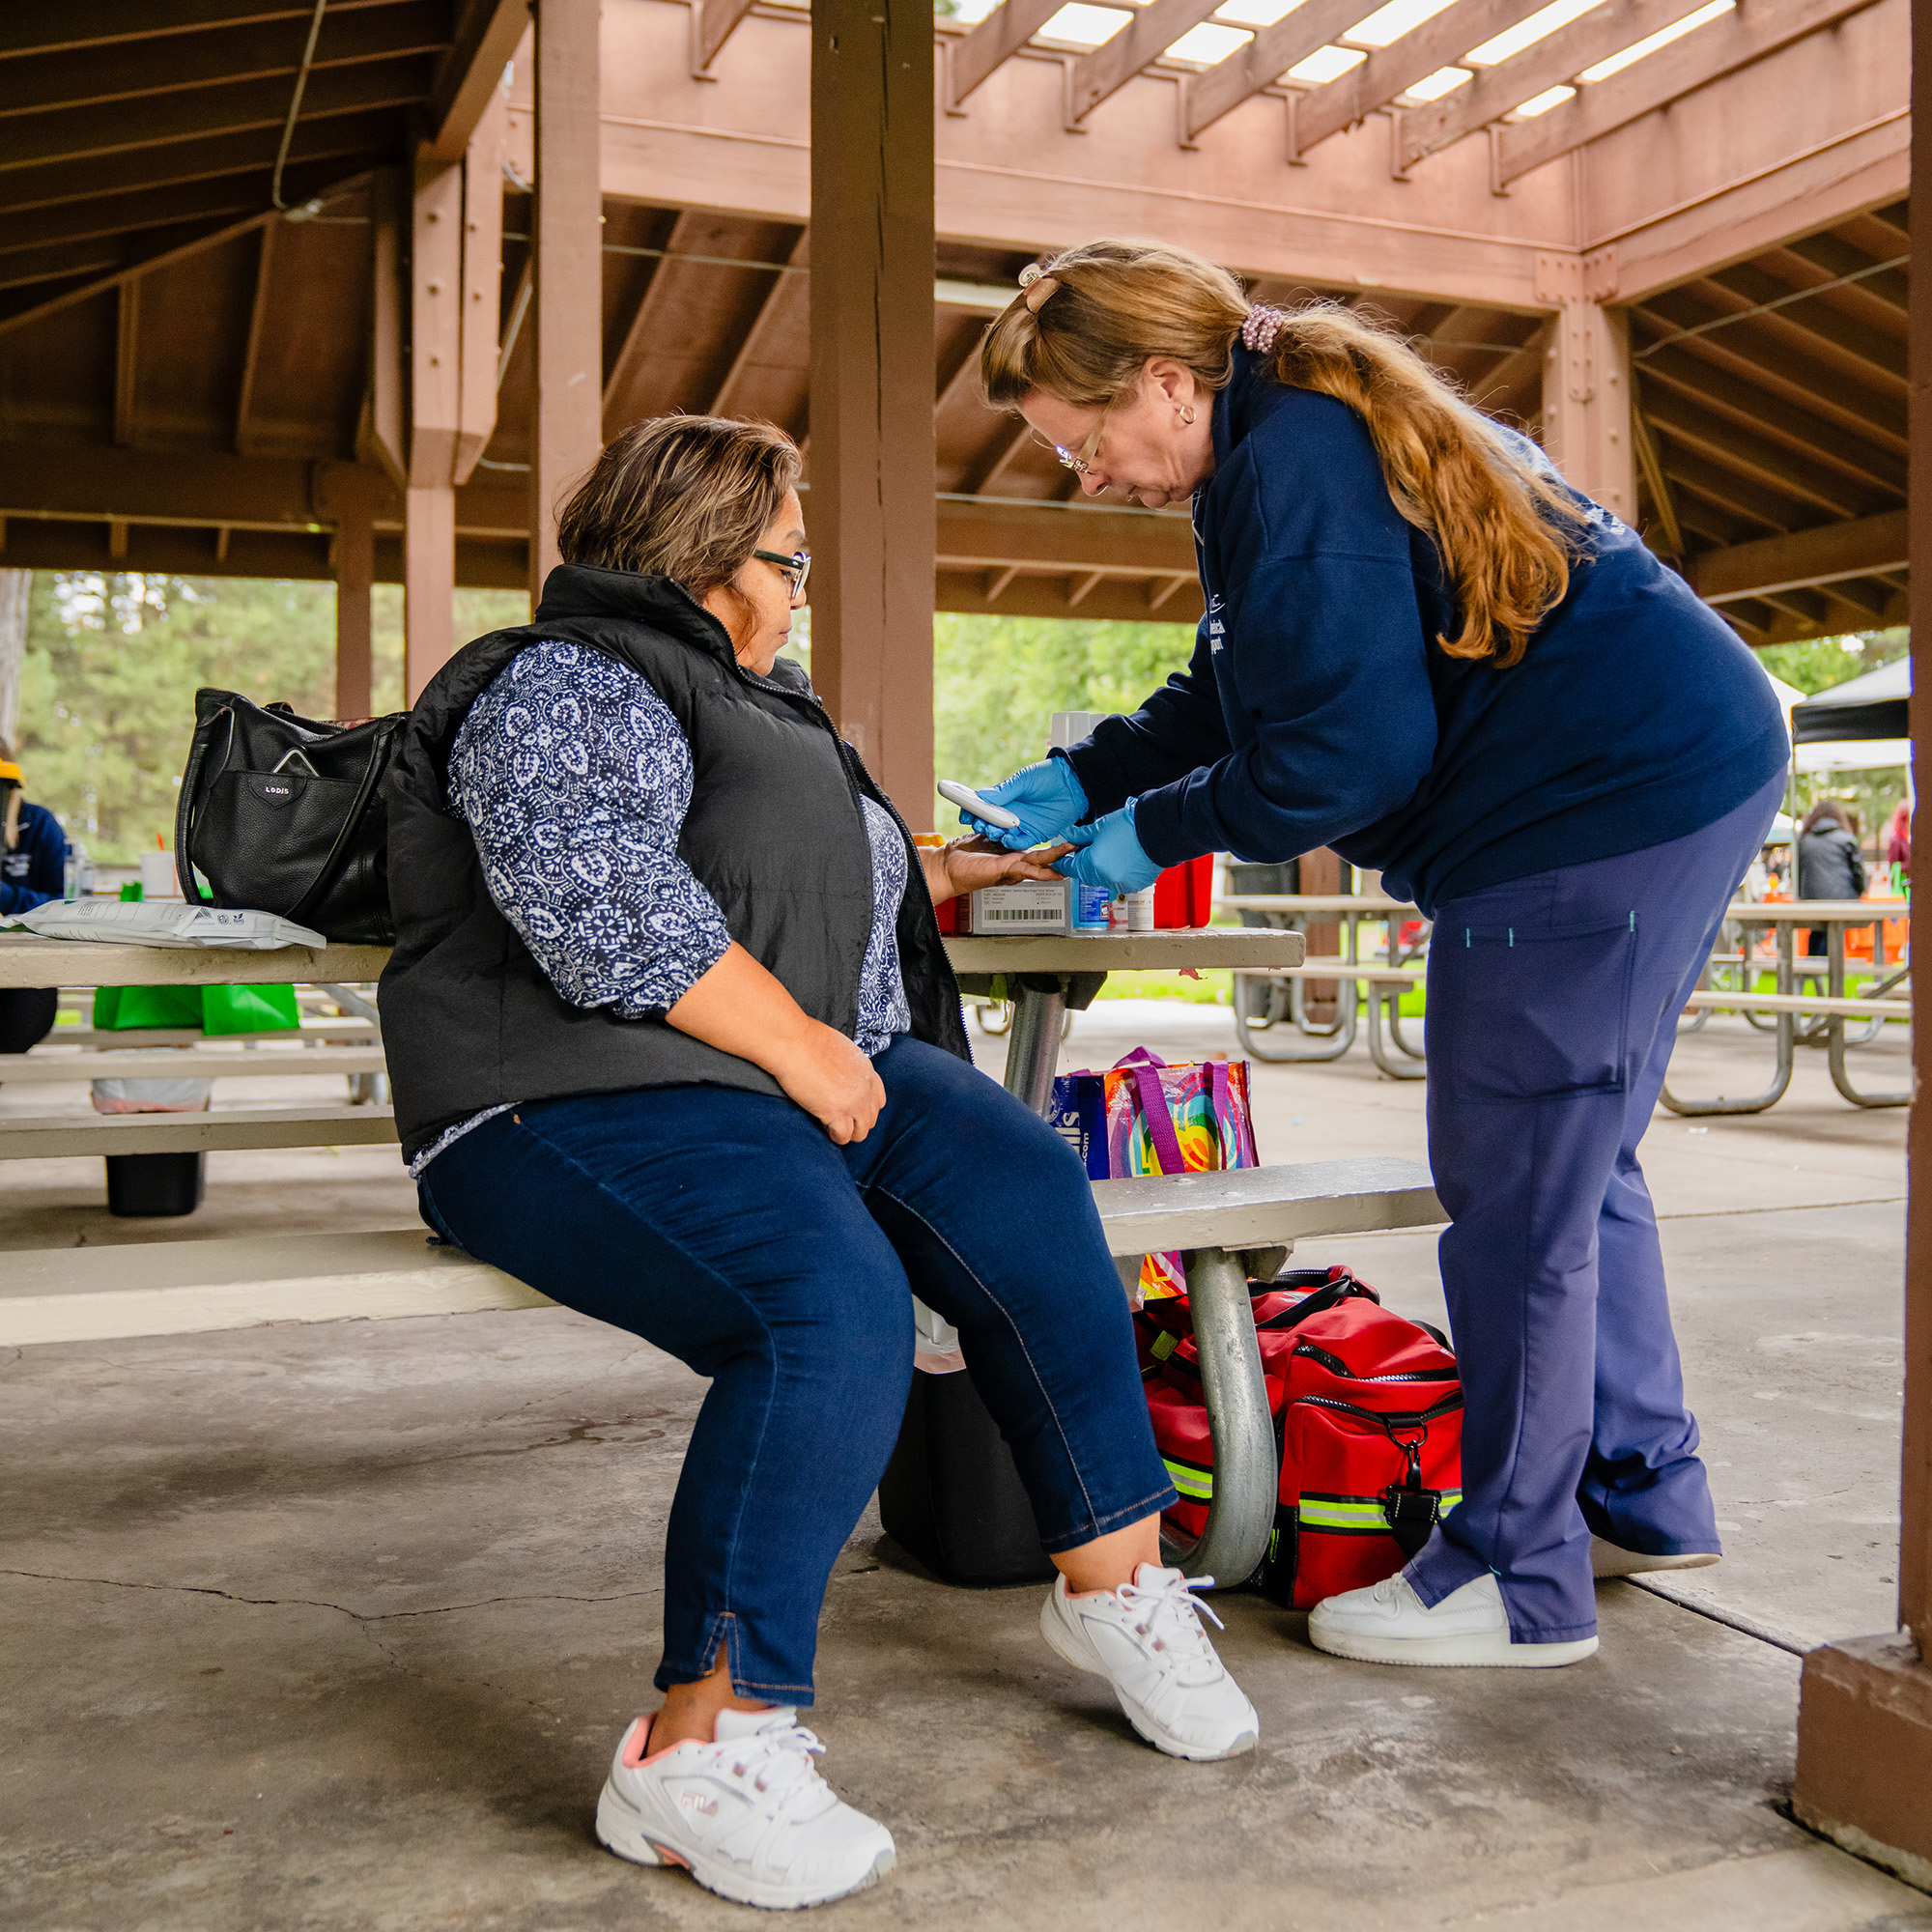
(1032, 907)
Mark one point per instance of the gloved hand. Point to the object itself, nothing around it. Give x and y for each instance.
(1113, 856)
(1047, 799)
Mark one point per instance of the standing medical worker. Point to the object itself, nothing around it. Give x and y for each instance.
(1425, 649)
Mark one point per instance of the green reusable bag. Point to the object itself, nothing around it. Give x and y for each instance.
(121, 1008)
(248, 1010)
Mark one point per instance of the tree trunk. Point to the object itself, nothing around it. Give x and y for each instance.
(15, 589)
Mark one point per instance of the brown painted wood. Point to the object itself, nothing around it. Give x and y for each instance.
(1264, 60)
(429, 584)
(1761, 460)
(127, 364)
(471, 76)
(386, 430)
(99, 23)
(435, 324)
(251, 355)
(640, 334)
(713, 22)
(480, 348)
(177, 63)
(1552, 62)
(1719, 48)
(351, 495)
(756, 336)
(872, 452)
(1389, 71)
(1147, 35)
(567, 213)
(1006, 29)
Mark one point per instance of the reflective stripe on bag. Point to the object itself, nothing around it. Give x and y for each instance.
(1193, 1482)
(1357, 1516)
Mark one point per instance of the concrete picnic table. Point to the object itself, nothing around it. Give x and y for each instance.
(1787, 1004)
(1386, 981)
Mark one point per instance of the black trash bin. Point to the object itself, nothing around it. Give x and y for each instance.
(155, 1183)
(950, 1494)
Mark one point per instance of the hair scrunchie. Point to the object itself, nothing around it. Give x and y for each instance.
(1262, 325)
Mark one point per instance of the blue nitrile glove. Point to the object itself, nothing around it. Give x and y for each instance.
(1112, 857)
(1047, 799)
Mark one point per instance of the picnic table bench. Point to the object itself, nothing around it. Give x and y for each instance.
(1224, 1223)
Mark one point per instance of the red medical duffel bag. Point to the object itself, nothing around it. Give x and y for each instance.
(1368, 1420)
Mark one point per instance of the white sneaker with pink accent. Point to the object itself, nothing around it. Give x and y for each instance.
(746, 1815)
(1146, 1639)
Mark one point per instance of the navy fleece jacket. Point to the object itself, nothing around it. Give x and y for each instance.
(34, 871)
(1321, 710)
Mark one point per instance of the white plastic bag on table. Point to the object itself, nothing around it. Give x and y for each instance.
(162, 923)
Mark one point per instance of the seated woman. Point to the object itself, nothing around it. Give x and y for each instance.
(673, 1039)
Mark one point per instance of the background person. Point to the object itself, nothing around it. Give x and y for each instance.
(33, 869)
(1831, 866)
(674, 1039)
(1423, 648)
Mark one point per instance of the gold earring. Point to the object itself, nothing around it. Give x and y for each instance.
(1187, 415)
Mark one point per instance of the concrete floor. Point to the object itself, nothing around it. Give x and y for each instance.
(335, 1627)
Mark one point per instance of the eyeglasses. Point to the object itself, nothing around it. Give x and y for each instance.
(1080, 461)
(797, 569)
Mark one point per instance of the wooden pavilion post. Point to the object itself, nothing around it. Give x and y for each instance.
(871, 511)
(353, 494)
(1865, 1721)
(429, 515)
(1586, 390)
(567, 269)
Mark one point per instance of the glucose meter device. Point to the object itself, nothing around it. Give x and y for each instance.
(969, 800)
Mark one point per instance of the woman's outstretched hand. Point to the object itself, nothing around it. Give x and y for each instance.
(970, 865)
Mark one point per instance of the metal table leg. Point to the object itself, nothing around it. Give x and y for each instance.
(1341, 1038)
(1787, 1034)
(1033, 1047)
(1240, 1515)
(1836, 1041)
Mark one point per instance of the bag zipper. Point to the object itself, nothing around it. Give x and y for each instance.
(1336, 1365)
(1448, 1406)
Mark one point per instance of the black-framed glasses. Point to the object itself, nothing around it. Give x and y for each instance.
(797, 568)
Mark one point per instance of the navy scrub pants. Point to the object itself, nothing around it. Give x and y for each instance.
(1552, 1010)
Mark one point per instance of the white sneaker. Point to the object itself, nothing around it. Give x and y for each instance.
(746, 1815)
(1613, 1559)
(1389, 1623)
(1146, 1639)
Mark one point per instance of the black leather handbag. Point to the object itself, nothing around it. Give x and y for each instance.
(285, 815)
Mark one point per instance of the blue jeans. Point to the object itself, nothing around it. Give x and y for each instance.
(724, 1228)
(1552, 1010)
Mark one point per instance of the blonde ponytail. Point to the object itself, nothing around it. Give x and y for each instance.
(1507, 532)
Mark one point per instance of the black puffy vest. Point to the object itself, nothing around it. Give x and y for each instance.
(775, 833)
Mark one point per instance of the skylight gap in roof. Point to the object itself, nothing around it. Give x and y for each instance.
(1391, 22)
(1689, 23)
(1526, 33)
(1255, 12)
(1079, 26)
(1211, 41)
(1433, 86)
(1326, 63)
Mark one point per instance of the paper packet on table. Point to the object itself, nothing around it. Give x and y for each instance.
(162, 923)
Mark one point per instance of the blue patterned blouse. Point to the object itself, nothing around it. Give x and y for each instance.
(574, 778)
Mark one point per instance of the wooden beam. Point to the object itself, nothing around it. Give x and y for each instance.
(97, 23)
(1803, 559)
(1552, 62)
(429, 585)
(1694, 475)
(713, 22)
(251, 353)
(435, 324)
(872, 452)
(127, 364)
(1718, 47)
(1003, 31)
(1264, 60)
(1440, 42)
(1006, 444)
(1669, 534)
(567, 213)
(479, 349)
(1147, 35)
(173, 63)
(388, 410)
(472, 74)
(76, 134)
(1755, 456)
(980, 535)
(752, 339)
(647, 321)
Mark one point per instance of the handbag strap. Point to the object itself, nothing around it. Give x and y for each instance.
(372, 776)
(1160, 1132)
(186, 814)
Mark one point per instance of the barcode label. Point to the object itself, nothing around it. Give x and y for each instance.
(1013, 915)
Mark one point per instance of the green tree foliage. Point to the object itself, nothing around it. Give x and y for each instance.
(1823, 661)
(113, 664)
(997, 682)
